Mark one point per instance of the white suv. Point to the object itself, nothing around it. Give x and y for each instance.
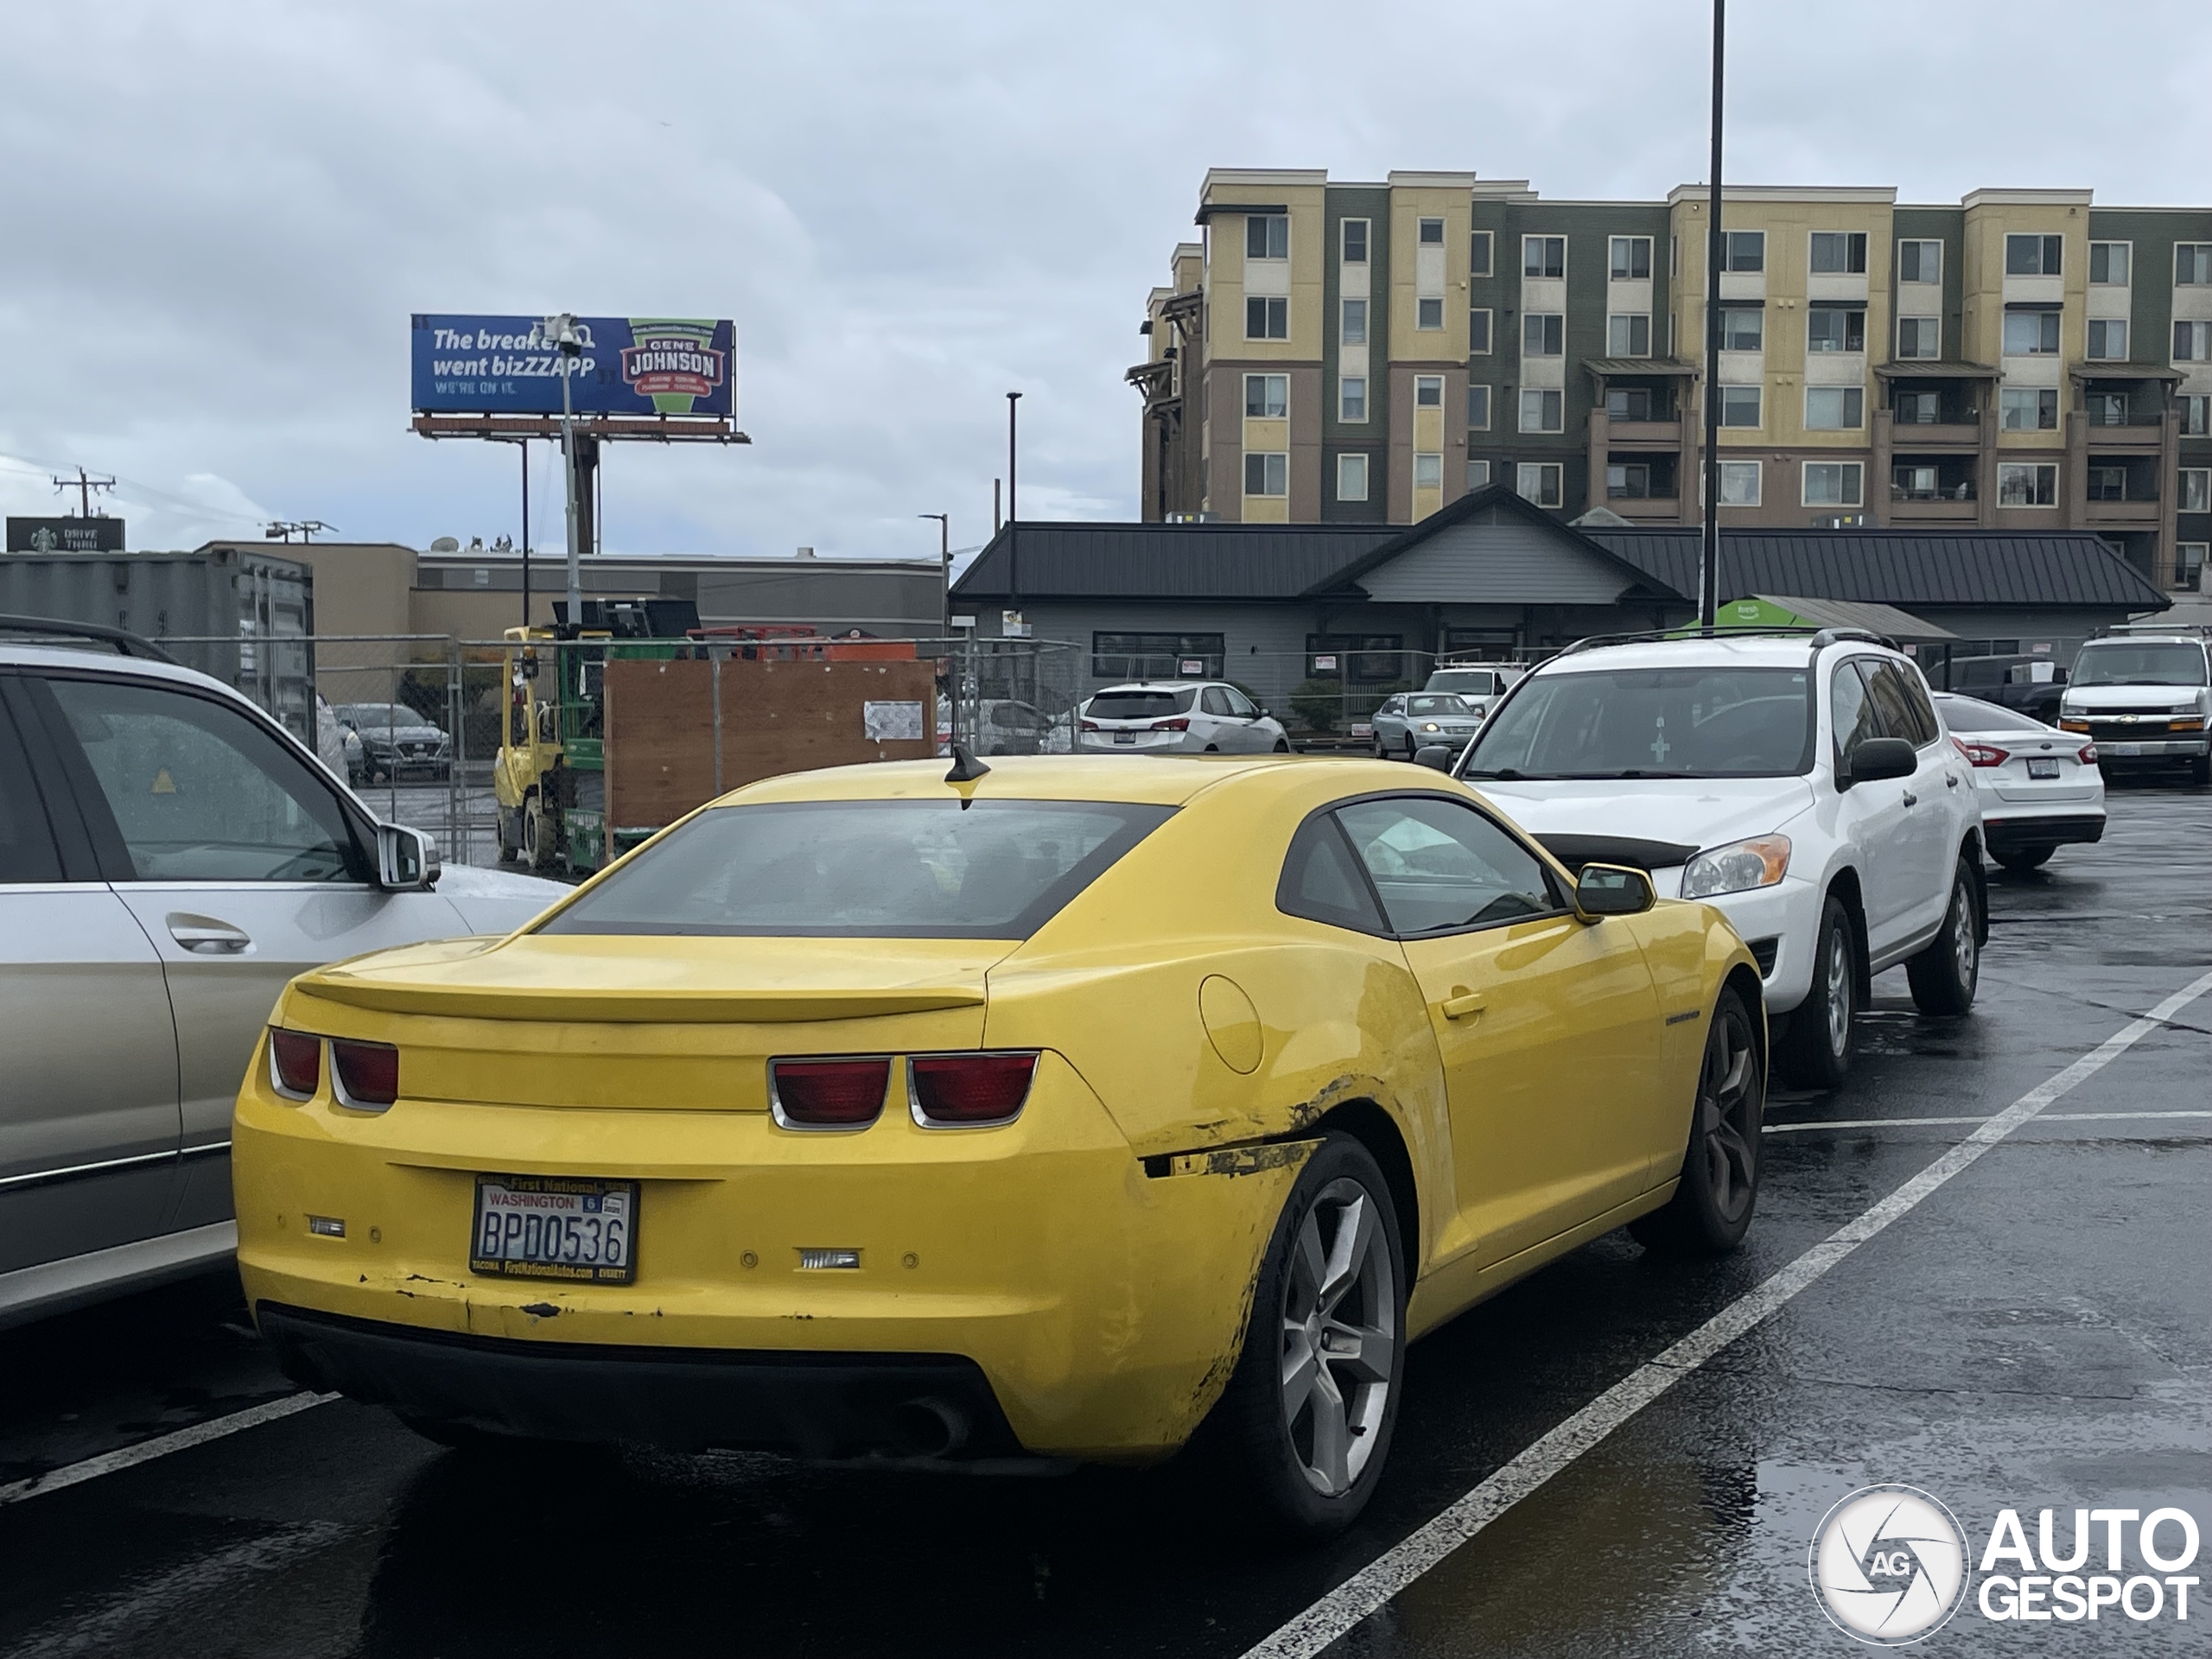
(1178, 717)
(1804, 786)
(2143, 695)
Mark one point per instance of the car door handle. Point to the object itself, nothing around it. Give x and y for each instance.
(206, 936)
(1911, 799)
(1951, 779)
(1463, 1004)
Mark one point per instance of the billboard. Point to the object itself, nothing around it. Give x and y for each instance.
(630, 366)
(95, 535)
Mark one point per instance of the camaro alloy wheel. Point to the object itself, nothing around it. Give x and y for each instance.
(1307, 1415)
(1720, 1185)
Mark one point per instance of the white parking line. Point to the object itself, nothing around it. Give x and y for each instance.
(1373, 1585)
(159, 1447)
(2048, 1117)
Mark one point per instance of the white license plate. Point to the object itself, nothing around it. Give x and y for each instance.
(2121, 748)
(2043, 768)
(554, 1227)
(1125, 737)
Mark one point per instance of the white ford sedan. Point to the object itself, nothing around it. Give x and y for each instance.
(2040, 788)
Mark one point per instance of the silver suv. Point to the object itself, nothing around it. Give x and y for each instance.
(169, 857)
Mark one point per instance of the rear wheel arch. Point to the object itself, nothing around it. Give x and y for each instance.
(1376, 1129)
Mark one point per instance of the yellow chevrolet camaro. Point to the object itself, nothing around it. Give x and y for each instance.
(1072, 1110)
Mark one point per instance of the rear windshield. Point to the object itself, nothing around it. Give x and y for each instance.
(1439, 705)
(1462, 679)
(1650, 722)
(1140, 705)
(866, 869)
(2174, 663)
(1972, 715)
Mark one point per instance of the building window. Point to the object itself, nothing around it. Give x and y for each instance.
(2197, 489)
(1739, 405)
(1351, 328)
(1631, 259)
(2030, 333)
(1838, 252)
(1543, 334)
(2033, 256)
(1920, 337)
(1154, 656)
(1266, 319)
(1478, 475)
(2189, 567)
(1918, 408)
(1739, 483)
(2108, 264)
(1478, 408)
(1543, 256)
(1540, 481)
(1352, 398)
(1354, 245)
(1267, 473)
(1835, 328)
(1920, 262)
(2195, 416)
(1835, 409)
(1352, 477)
(1267, 235)
(1628, 482)
(1478, 333)
(2028, 409)
(1628, 334)
(2106, 408)
(2192, 341)
(1628, 404)
(1266, 397)
(1432, 233)
(1428, 392)
(1428, 472)
(2027, 484)
(2192, 263)
(2107, 483)
(2107, 339)
(1746, 251)
(1478, 254)
(1541, 410)
(1428, 313)
(1834, 483)
(1743, 328)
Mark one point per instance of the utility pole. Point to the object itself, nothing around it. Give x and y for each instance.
(561, 331)
(284, 529)
(1708, 573)
(1012, 506)
(84, 484)
(945, 561)
(525, 534)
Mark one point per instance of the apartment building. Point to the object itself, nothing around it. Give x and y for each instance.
(1367, 353)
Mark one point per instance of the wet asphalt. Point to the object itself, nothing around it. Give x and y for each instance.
(2038, 1333)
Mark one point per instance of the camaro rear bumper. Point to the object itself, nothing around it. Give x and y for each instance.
(2052, 829)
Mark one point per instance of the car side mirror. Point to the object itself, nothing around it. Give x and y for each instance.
(407, 859)
(1612, 890)
(1877, 758)
(1438, 755)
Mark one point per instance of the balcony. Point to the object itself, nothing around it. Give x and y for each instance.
(1647, 509)
(1935, 435)
(1659, 434)
(2110, 511)
(1932, 507)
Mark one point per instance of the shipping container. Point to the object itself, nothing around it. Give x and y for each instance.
(239, 613)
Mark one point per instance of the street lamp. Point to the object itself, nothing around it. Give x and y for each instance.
(945, 561)
(1012, 510)
(1708, 575)
(562, 333)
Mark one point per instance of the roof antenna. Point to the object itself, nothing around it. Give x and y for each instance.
(966, 768)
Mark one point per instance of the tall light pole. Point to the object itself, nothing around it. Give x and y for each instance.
(561, 332)
(945, 561)
(1708, 571)
(1013, 511)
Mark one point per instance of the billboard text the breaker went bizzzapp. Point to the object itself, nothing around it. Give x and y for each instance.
(470, 364)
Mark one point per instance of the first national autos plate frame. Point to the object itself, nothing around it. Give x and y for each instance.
(497, 1267)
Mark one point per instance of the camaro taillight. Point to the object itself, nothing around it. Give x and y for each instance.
(2087, 754)
(367, 1074)
(1176, 725)
(969, 1090)
(295, 1062)
(840, 1094)
(1982, 754)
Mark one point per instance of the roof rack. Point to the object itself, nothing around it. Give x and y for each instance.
(125, 643)
(2145, 630)
(1819, 637)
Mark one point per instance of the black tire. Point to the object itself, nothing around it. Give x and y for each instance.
(1943, 976)
(1380, 753)
(2021, 860)
(1275, 1465)
(1720, 1185)
(537, 837)
(1815, 1053)
(2200, 770)
(1282, 745)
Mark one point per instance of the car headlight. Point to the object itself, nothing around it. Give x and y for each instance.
(1738, 867)
(1430, 726)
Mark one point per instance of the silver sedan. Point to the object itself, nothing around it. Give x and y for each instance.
(1414, 721)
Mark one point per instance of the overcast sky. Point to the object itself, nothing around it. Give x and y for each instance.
(218, 217)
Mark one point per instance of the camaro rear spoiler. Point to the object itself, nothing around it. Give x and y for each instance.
(710, 1006)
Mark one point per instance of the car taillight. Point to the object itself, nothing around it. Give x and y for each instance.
(1176, 725)
(969, 1090)
(2087, 754)
(841, 1094)
(1090, 726)
(367, 1074)
(295, 1062)
(1982, 754)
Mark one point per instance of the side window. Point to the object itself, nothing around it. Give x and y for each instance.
(200, 792)
(1856, 719)
(1240, 705)
(1214, 701)
(1892, 694)
(1914, 693)
(27, 849)
(1439, 866)
(1321, 880)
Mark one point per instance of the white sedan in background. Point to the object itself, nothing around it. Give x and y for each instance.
(2040, 788)
(1178, 717)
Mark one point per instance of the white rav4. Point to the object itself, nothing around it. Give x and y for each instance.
(1803, 786)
